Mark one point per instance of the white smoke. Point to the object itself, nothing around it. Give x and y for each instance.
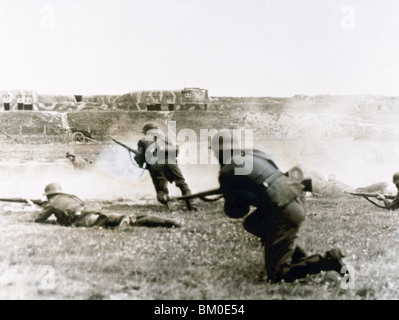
(106, 180)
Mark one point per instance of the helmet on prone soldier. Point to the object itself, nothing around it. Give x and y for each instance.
(52, 188)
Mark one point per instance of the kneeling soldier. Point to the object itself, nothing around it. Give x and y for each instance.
(280, 210)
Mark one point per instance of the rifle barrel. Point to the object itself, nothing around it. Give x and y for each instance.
(200, 194)
(124, 145)
(372, 195)
(21, 200)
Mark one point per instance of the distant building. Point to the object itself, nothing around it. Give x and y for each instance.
(195, 97)
(17, 100)
(148, 100)
(186, 99)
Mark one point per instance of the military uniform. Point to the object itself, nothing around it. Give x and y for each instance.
(77, 161)
(280, 211)
(394, 204)
(72, 211)
(150, 149)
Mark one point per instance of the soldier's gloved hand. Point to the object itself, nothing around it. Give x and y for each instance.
(380, 196)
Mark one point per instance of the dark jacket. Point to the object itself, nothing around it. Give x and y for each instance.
(263, 187)
(394, 204)
(155, 149)
(66, 207)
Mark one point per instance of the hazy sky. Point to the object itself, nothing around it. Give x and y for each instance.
(231, 47)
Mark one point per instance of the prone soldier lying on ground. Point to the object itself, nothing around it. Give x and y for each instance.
(72, 211)
(77, 161)
(380, 187)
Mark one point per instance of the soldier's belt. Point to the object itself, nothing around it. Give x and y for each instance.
(269, 181)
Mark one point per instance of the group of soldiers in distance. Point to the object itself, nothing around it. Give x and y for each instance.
(278, 200)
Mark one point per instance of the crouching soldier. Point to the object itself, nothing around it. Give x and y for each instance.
(280, 209)
(72, 211)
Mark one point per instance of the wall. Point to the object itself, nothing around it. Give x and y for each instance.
(288, 124)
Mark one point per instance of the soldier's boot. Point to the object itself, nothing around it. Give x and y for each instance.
(169, 205)
(298, 254)
(332, 260)
(154, 221)
(126, 222)
(164, 199)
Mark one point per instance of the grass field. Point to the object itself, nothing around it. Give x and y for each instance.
(209, 257)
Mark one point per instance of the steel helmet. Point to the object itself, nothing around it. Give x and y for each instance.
(70, 154)
(149, 126)
(332, 177)
(395, 178)
(296, 173)
(52, 188)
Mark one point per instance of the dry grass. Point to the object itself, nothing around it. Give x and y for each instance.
(210, 257)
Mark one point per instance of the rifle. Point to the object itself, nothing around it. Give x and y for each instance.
(202, 195)
(371, 195)
(21, 200)
(125, 146)
(7, 135)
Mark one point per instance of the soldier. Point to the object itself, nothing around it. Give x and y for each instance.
(380, 187)
(280, 211)
(72, 211)
(77, 161)
(336, 188)
(156, 146)
(394, 204)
